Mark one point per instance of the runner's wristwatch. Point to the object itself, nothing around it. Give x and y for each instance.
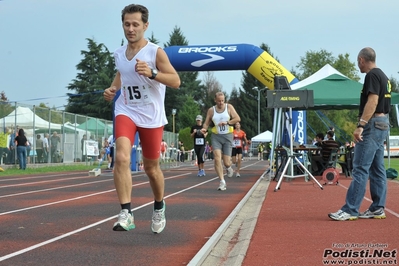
(154, 73)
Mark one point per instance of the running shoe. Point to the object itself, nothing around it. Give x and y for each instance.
(377, 214)
(125, 221)
(238, 175)
(222, 185)
(342, 216)
(199, 172)
(230, 172)
(158, 220)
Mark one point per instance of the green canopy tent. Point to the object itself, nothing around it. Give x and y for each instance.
(333, 90)
(96, 126)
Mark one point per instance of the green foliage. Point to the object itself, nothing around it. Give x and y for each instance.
(5, 107)
(97, 70)
(184, 136)
(313, 61)
(346, 67)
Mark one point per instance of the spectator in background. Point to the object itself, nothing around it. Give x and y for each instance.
(326, 147)
(261, 147)
(54, 141)
(4, 151)
(12, 146)
(330, 129)
(182, 152)
(39, 148)
(21, 142)
(46, 148)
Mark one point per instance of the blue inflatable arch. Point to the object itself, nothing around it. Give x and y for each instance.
(220, 57)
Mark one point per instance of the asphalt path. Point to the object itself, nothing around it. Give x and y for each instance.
(67, 218)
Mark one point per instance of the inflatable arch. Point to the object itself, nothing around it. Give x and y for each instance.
(247, 57)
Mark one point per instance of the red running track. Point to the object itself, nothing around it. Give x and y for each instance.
(293, 228)
(66, 219)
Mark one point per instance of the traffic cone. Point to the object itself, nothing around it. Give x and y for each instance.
(196, 162)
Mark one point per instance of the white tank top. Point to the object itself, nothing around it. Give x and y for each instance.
(141, 99)
(221, 117)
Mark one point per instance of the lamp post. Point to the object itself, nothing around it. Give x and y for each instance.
(173, 123)
(256, 88)
(174, 139)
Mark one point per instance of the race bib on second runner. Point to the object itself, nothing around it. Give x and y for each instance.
(199, 141)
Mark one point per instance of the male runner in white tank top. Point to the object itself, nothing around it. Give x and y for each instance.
(143, 72)
(223, 116)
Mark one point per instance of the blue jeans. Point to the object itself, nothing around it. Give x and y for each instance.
(368, 162)
(21, 153)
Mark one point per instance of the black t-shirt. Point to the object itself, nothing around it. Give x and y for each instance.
(21, 140)
(376, 82)
(199, 138)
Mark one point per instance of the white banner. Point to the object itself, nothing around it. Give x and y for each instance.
(90, 148)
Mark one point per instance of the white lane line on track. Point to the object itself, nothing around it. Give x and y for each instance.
(41, 182)
(38, 245)
(42, 176)
(82, 197)
(54, 188)
(369, 200)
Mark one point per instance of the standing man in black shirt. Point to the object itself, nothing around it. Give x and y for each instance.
(372, 130)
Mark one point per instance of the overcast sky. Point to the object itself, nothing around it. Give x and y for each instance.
(41, 40)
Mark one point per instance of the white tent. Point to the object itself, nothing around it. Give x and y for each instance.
(25, 118)
(322, 73)
(263, 137)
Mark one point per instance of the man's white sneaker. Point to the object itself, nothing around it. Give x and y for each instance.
(125, 221)
(222, 185)
(158, 220)
(377, 214)
(230, 172)
(342, 216)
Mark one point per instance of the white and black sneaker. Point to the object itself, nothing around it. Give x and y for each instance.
(230, 172)
(342, 216)
(158, 220)
(222, 185)
(377, 214)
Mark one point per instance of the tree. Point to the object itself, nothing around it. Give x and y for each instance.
(5, 107)
(97, 70)
(211, 85)
(312, 62)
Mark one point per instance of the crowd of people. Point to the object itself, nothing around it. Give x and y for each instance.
(41, 149)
